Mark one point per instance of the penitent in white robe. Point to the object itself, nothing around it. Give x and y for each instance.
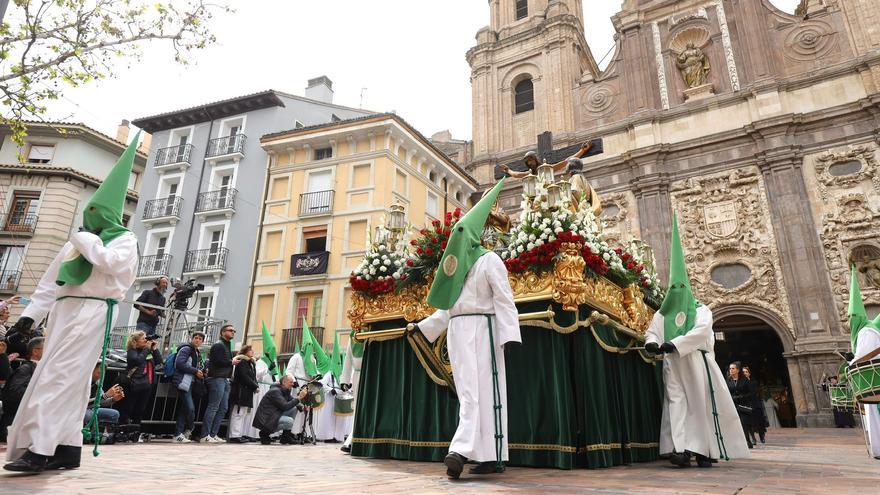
(687, 422)
(867, 341)
(329, 426)
(297, 369)
(52, 409)
(264, 381)
(351, 373)
(486, 291)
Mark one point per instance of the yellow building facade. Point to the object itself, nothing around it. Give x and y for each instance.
(327, 190)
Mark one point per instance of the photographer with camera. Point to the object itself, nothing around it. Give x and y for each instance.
(148, 318)
(277, 410)
(137, 382)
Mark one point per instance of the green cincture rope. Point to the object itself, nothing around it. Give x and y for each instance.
(496, 394)
(722, 450)
(92, 427)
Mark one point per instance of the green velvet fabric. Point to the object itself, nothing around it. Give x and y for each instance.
(570, 402)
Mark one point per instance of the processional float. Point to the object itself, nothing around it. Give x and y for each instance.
(581, 390)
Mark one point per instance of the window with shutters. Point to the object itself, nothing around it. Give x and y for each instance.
(522, 9)
(41, 153)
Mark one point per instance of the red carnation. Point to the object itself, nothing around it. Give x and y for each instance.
(447, 232)
(409, 262)
(446, 222)
(457, 212)
(413, 242)
(429, 252)
(443, 245)
(423, 231)
(436, 223)
(420, 251)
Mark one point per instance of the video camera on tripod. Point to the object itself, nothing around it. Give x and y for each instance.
(183, 291)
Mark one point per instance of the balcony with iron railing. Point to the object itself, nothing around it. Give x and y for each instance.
(19, 224)
(220, 202)
(9, 281)
(316, 203)
(227, 147)
(206, 262)
(174, 157)
(290, 336)
(162, 210)
(154, 266)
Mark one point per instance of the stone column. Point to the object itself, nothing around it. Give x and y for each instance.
(655, 215)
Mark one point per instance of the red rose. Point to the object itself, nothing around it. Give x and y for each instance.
(423, 231)
(457, 212)
(446, 222)
(429, 252)
(420, 251)
(436, 223)
(413, 242)
(447, 232)
(438, 230)
(618, 250)
(409, 262)
(443, 245)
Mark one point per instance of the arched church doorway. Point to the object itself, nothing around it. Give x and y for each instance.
(756, 344)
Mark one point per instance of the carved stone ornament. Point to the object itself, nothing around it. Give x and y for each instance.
(724, 220)
(864, 153)
(809, 41)
(848, 232)
(599, 100)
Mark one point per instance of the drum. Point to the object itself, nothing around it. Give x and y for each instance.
(315, 399)
(342, 406)
(842, 397)
(864, 379)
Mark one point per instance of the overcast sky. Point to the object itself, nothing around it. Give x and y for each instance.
(410, 59)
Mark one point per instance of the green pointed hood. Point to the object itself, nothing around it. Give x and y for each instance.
(308, 352)
(102, 216)
(463, 249)
(321, 359)
(296, 349)
(679, 307)
(357, 348)
(858, 317)
(270, 352)
(336, 359)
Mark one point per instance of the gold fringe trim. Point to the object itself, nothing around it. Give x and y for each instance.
(397, 441)
(541, 446)
(611, 348)
(342, 414)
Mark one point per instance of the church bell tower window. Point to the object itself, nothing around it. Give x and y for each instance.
(522, 9)
(524, 96)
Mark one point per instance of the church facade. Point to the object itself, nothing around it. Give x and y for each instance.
(760, 129)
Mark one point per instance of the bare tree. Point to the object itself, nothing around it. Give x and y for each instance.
(47, 45)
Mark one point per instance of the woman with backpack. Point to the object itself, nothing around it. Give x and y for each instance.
(142, 358)
(241, 396)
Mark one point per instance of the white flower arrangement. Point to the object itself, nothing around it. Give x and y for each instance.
(380, 263)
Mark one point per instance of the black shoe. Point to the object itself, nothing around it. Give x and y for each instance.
(287, 438)
(265, 439)
(66, 457)
(346, 449)
(703, 461)
(680, 459)
(235, 440)
(454, 464)
(484, 468)
(28, 463)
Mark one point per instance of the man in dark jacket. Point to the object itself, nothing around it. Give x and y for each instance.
(187, 369)
(220, 362)
(277, 409)
(148, 318)
(18, 382)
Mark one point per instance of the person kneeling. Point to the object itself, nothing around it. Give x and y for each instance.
(277, 410)
(106, 414)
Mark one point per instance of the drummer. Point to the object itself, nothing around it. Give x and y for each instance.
(865, 340)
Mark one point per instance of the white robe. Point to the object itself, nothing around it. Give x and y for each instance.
(351, 373)
(329, 426)
(867, 341)
(687, 422)
(486, 291)
(52, 409)
(770, 407)
(264, 381)
(297, 369)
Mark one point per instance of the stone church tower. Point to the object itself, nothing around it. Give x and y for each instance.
(759, 128)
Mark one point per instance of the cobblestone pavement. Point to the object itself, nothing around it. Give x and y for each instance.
(806, 461)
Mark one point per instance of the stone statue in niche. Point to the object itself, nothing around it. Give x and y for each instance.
(693, 65)
(871, 269)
